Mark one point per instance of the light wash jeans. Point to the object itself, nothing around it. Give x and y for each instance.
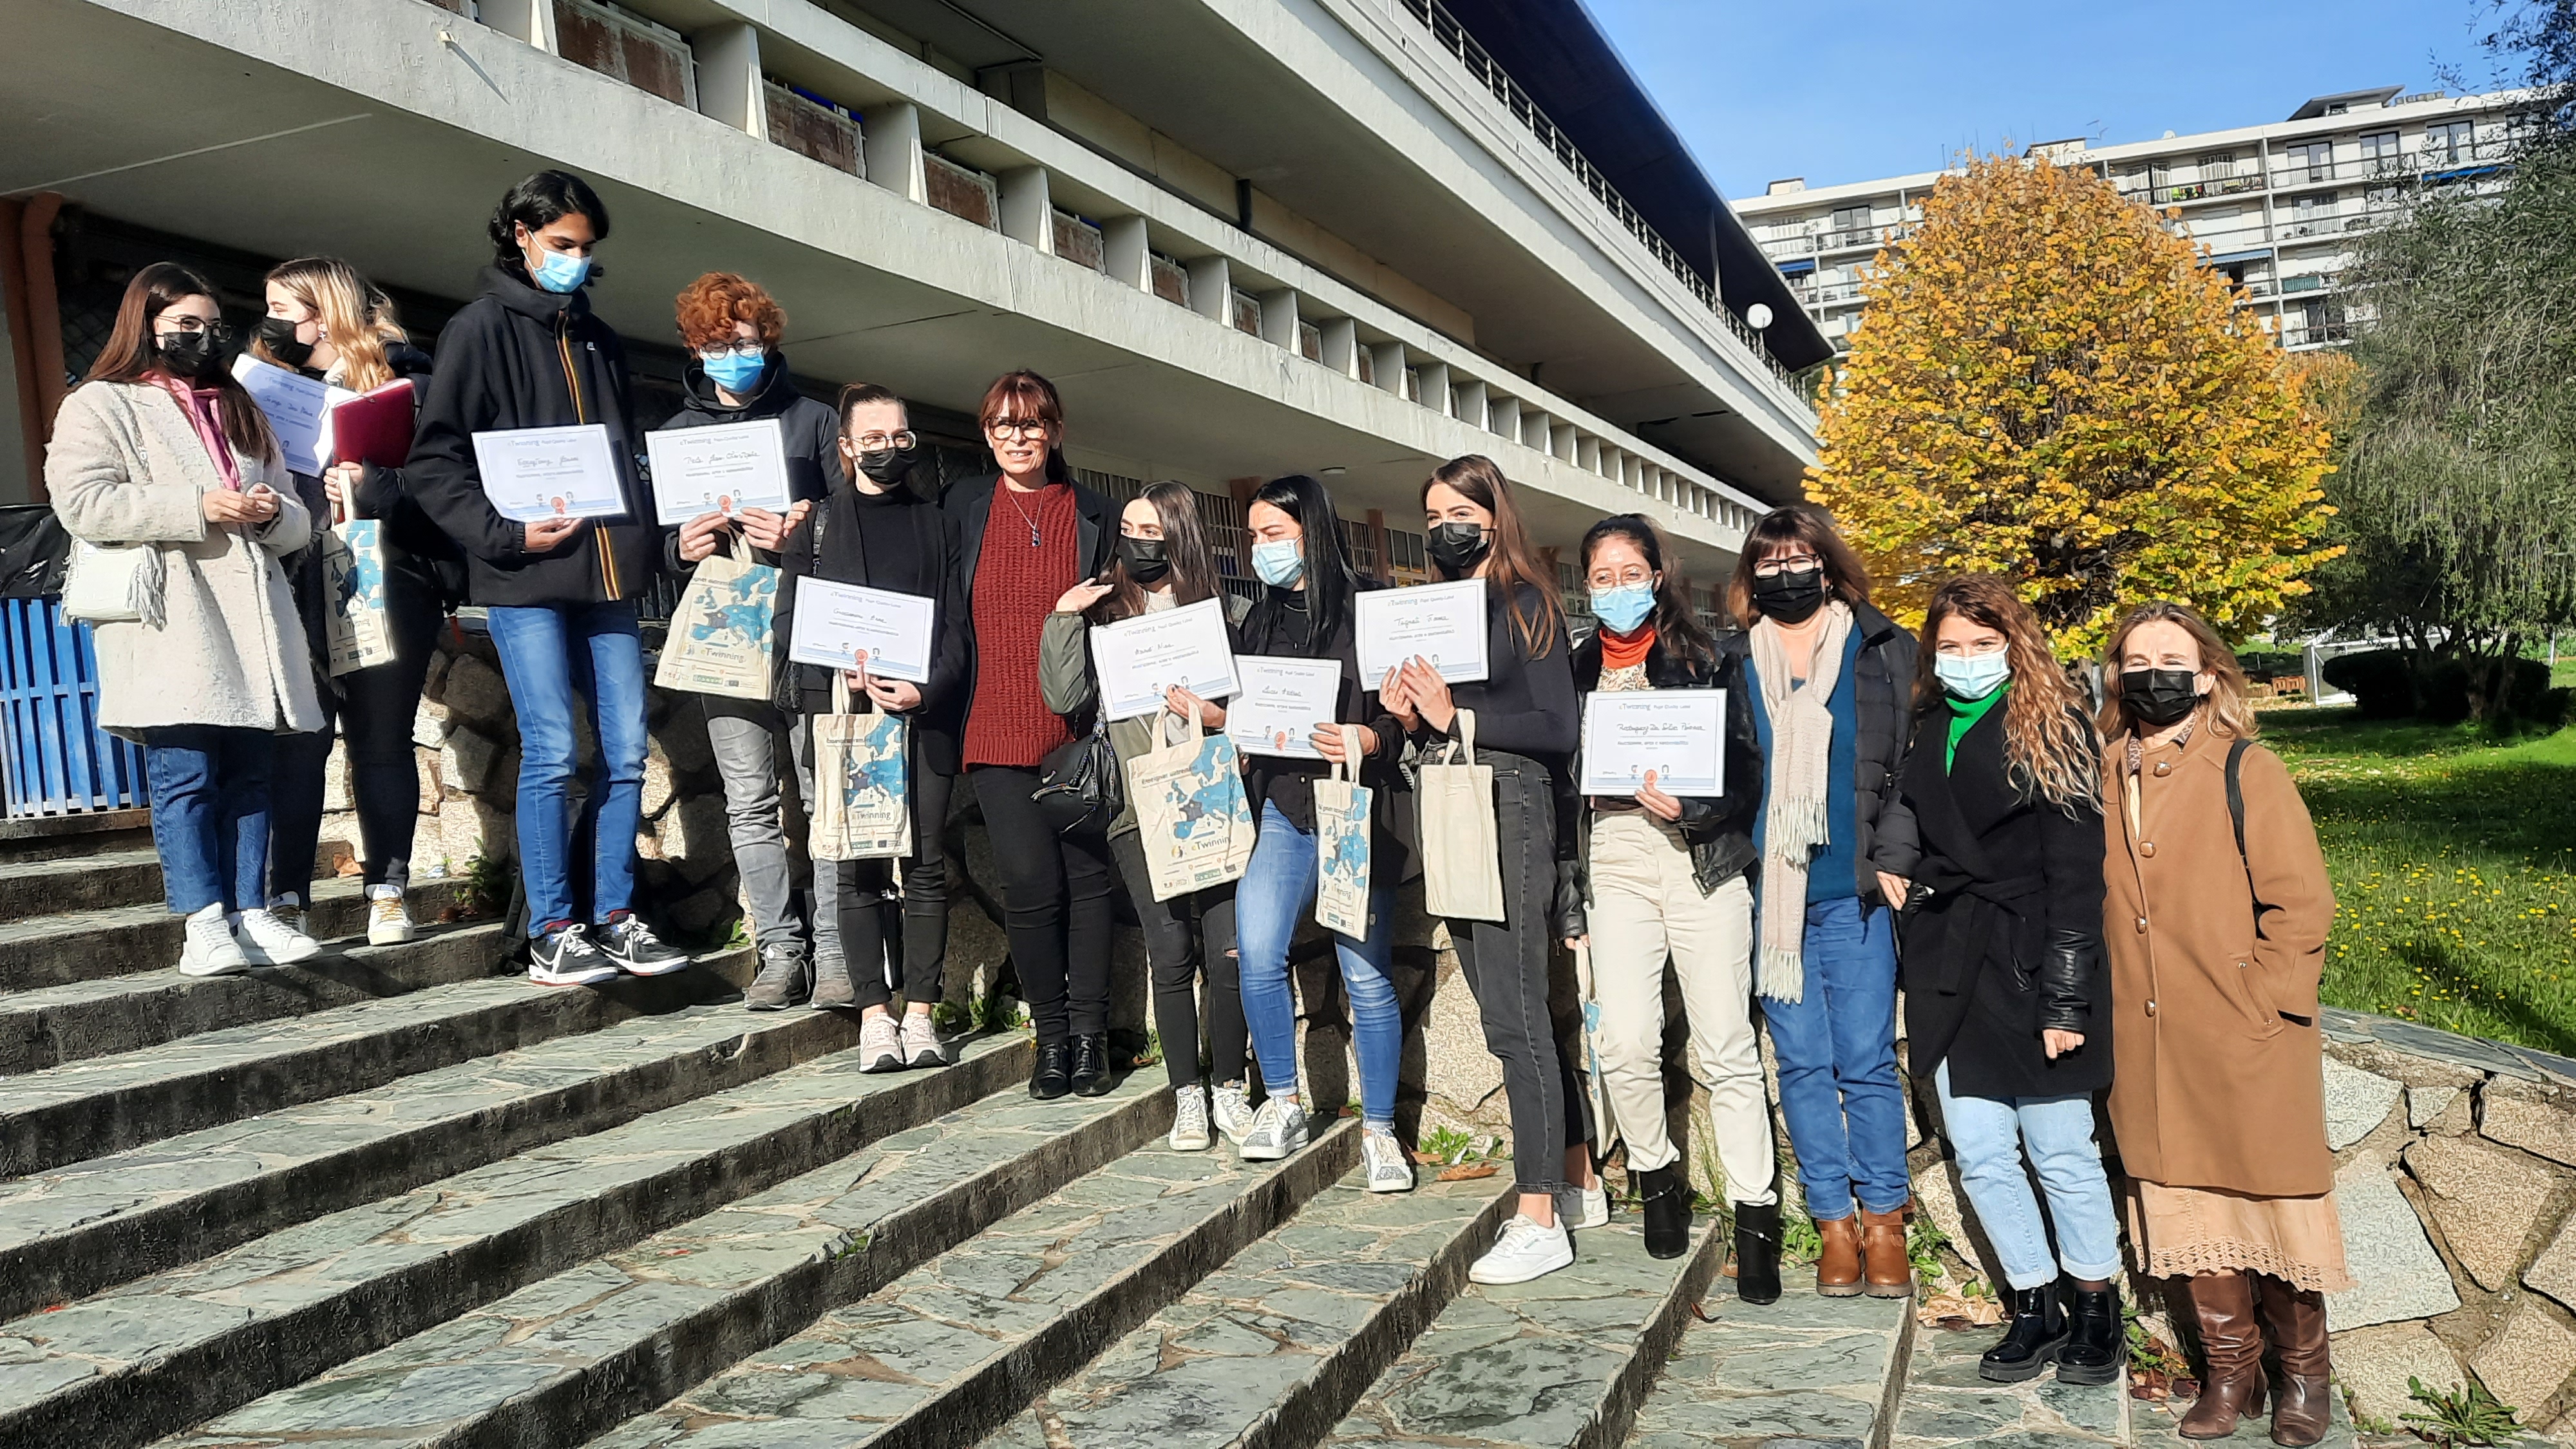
(556, 656)
(1276, 892)
(1837, 1051)
(1990, 1137)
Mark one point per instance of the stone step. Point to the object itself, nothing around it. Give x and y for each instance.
(129, 876)
(953, 1348)
(84, 945)
(104, 1105)
(54, 1025)
(1946, 1402)
(1558, 1363)
(1273, 1348)
(87, 832)
(75, 1230)
(2159, 1426)
(1807, 1369)
(171, 1350)
(581, 1351)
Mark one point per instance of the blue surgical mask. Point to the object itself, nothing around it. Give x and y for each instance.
(1972, 676)
(560, 271)
(734, 372)
(1280, 562)
(1622, 609)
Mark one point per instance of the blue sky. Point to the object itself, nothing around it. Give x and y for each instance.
(1856, 89)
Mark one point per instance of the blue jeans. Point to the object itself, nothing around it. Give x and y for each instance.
(210, 814)
(1990, 1136)
(1837, 1051)
(554, 656)
(1276, 892)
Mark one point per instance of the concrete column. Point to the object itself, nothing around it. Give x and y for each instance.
(1503, 416)
(530, 20)
(1387, 358)
(1212, 289)
(1342, 346)
(1378, 540)
(1433, 380)
(729, 77)
(1131, 257)
(1562, 443)
(891, 138)
(1027, 213)
(1470, 406)
(1279, 318)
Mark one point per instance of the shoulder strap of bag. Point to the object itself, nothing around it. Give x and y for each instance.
(841, 692)
(1347, 769)
(1467, 734)
(2236, 802)
(740, 549)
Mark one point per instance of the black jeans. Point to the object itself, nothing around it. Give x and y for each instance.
(374, 708)
(1174, 930)
(1506, 966)
(869, 933)
(1055, 905)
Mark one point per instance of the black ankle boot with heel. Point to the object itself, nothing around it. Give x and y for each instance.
(1757, 1252)
(1665, 1205)
(2031, 1341)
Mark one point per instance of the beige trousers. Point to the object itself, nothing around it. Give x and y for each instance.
(1647, 908)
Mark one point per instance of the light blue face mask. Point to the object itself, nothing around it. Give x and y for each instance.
(1280, 562)
(560, 271)
(1972, 676)
(1622, 609)
(734, 372)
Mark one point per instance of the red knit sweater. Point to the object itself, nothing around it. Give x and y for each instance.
(1016, 587)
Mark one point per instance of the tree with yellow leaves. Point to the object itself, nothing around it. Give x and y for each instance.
(2051, 388)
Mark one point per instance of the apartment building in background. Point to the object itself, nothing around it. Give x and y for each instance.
(2275, 205)
(1245, 237)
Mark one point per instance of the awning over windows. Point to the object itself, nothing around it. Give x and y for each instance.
(2229, 259)
(1798, 268)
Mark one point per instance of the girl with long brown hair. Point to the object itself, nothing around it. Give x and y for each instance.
(1527, 719)
(2005, 998)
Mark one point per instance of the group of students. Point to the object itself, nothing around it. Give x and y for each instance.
(1939, 809)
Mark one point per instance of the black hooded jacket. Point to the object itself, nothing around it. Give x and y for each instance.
(521, 357)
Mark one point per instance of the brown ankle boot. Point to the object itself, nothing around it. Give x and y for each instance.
(1882, 1245)
(1838, 1267)
(2233, 1387)
(2295, 1322)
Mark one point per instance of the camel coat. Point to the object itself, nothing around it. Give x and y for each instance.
(2218, 1078)
(126, 466)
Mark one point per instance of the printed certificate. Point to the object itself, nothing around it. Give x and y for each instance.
(531, 474)
(1137, 659)
(722, 469)
(1443, 623)
(1679, 734)
(841, 625)
(298, 409)
(1281, 703)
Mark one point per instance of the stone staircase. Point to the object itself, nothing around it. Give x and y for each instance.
(399, 1197)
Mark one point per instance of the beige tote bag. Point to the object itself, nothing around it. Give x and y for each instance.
(718, 641)
(862, 807)
(1342, 844)
(1462, 856)
(1192, 818)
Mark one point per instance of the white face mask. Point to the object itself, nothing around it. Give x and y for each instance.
(1972, 676)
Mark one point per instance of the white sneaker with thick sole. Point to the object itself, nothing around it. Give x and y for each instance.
(268, 941)
(1578, 1208)
(1230, 1111)
(880, 1044)
(1382, 1158)
(1524, 1251)
(1278, 1129)
(388, 919)
(207, 946)
(1190, 1120)
(921, 1046)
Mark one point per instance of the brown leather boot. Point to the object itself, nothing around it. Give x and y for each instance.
(2233, 1387)
(1882, 1246)
(1838, 1267)
(2295, 1322)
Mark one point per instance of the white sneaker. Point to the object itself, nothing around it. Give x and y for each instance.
(388, 919)
(921, 1046)
(1278, 1129)
(1382, 1159)
(1578, 1208)
(1524, 1251)
(268, 941)
(880, 1044)
(1190, 1120)
(1230, 1111)
(207, 947)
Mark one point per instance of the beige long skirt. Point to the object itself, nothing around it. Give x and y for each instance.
(2189, 1230)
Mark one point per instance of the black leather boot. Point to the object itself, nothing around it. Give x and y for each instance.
(1757, 1252)
(2031, 1341)
(1091, 1065)
(1051, 1079)
(1665, 1200)
(2097, 1348)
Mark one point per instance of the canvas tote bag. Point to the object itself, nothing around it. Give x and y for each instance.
(862, 782)
(356, 630)
(1342, 844)
(1192, 817)
(1462, 858)
(719, 639)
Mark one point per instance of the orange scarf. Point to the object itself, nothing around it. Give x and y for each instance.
(1625, 651)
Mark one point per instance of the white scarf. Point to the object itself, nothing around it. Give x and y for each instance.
(1795, 821)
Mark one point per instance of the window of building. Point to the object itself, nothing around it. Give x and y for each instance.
(2217, 165)
(2379, 151)
(2448, 143)
(2312, 161)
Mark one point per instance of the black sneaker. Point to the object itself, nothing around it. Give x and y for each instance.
(636, 950)
(563, 955)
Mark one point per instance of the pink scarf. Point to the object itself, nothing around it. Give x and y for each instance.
(201, 406)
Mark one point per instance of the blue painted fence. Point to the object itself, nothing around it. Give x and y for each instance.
(55, 758)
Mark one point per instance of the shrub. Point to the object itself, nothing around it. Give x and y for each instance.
(2381, 681)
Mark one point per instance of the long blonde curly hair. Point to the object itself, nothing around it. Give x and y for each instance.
(2050, 749)
(358, 319)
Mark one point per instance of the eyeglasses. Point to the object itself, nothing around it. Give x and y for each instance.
(189, 323)
(1017, 428)
(884, 442)
(1626, 578)
(754, 348)
(1796, 563)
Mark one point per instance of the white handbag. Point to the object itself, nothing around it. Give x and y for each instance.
(1462, 858)
(113, 583)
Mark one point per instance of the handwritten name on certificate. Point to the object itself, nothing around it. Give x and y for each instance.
(1281, 703)
(1678, 734)
(298, 409)
(531, 474)
(1442, 623)
(1137, 659)
(838, 623)
(722, 469)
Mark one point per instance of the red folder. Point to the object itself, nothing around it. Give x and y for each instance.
(374, 427)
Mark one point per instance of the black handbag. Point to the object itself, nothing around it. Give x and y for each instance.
(1079, 786)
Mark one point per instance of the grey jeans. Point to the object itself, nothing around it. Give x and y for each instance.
(749, 760)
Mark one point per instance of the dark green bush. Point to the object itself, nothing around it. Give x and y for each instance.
(2399, 684)
(2381, 681)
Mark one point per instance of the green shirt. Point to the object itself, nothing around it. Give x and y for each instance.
(1964, 714)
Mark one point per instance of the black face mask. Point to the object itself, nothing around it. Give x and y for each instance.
(889, 467)
(277, 334)
(2160, 697)
(1458, 547)
(1146, 559)
(1791, 597)
(186, 354)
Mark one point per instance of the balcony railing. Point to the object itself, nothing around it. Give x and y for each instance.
(1822, 294)
(2317, 336)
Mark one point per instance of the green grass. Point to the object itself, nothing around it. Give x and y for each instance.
(2454, 864)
